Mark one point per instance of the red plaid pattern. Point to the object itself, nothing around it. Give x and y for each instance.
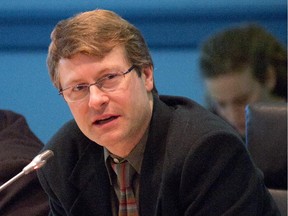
(127, 201)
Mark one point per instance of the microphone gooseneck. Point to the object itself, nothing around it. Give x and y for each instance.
(39, 161)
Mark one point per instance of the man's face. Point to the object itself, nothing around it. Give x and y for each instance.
(111, 119)
(230, 93)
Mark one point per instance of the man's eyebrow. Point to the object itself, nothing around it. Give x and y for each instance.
(72, 82)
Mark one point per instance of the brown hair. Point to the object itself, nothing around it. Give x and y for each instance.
(96, 33)
(249, 45)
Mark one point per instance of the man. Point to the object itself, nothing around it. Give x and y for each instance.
(183, 160)
(19, 146)
(240, 66)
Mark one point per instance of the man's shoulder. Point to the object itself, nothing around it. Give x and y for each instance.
(69, 136)
(188, 109)
(68, 143)
(184, 104)
(193, 118)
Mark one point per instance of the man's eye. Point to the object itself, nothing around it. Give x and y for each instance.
(110, 76)
(78, 88)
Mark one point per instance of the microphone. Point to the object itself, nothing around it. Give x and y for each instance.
(39, 161)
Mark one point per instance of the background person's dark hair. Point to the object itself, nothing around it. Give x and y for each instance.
(248, 45)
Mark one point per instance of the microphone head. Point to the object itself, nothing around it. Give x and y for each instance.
(46, 155)
(39, 161)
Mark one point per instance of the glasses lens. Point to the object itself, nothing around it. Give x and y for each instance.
(76, 93)
(111, 82)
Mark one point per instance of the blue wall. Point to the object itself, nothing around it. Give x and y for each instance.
(174, 32)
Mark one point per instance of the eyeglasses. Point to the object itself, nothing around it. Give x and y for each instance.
(108, 83)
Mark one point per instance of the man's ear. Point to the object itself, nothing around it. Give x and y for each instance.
(270, 79)
(147, 76)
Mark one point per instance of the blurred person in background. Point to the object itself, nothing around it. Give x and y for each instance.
(240, 66)
(19, 146)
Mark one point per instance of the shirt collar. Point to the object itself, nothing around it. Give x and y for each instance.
(135, 157)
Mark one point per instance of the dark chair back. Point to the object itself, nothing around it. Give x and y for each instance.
(266, 139)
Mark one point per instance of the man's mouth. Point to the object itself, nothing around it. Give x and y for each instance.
(106, 120)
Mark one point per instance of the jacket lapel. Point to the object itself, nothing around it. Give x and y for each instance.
(91, 178)
(151, 172)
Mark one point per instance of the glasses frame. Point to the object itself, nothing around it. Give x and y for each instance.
(97, 83)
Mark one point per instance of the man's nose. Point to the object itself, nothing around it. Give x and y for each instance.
(97, 98)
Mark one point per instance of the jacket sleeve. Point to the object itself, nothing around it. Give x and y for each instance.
(219, 178)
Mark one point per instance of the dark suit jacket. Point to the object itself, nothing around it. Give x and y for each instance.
(18, 147)
(194, 164)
